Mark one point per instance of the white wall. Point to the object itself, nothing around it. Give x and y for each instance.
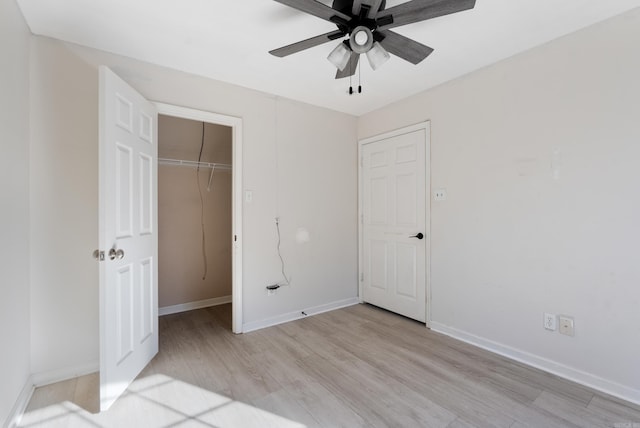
(540, 157)
(14, 206)
(64, 212)
(310, 181)
(317, 193)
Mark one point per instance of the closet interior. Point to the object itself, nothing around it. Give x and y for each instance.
(194, 214)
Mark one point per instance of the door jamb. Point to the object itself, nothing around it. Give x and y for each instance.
(236, 131)
(426, 126)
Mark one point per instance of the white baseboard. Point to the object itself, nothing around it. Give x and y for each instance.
(21, 404)
(570, 373)
(168, 310)
(295, 315)
(53, 376)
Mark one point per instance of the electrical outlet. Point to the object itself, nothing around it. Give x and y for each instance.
(549, 322)
(440, 195)
(566, 325)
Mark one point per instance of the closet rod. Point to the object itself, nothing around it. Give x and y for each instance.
(180, 162)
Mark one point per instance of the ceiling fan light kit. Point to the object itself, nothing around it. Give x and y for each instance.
(377, 56)
(340, 56)
(367, 24)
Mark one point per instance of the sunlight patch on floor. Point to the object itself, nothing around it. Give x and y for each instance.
(160, 401)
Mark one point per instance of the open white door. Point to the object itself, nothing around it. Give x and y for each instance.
(394, 226)
(128, 235)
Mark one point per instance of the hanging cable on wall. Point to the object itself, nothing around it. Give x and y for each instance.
(277, 171)
(284, 275)
(204, 248)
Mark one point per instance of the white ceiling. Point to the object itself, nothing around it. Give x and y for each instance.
(229, 41)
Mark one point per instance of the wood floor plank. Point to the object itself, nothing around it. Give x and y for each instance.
(327, 409)
(378, 315)
(55, 393)
(615, 410)
(441, 385)
(87, 392)
(359, 366)
(284, 403)
(246, 380)
(524, 381)
(281, 366)
(572, 412)
(373, 399)
(461, 423)
(319, 342)
(496, 401)
(284, 343)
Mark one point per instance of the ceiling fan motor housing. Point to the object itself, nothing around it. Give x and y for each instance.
(345, 6)
(361, 20)
(361, 39)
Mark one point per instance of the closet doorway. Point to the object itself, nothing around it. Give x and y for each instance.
(199, 211)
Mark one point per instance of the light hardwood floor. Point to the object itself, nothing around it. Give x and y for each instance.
(355, 367)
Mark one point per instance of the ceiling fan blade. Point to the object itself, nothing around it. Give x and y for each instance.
(351, 67)
(421, 10)
(306, 44)
(315, 8)
(375, 6)
(355, 9)
(404, 47)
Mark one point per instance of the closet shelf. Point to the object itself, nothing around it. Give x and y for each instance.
(195, 164)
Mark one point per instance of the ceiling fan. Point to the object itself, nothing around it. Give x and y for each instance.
(368, 25)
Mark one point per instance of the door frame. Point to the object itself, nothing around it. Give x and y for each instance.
(236, 204)
(426, 126)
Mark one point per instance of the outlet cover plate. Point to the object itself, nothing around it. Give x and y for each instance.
(549, 322)
(440, 195)
(566, 325)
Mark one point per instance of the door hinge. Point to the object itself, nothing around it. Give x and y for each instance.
(98, 255)
(361, 161)
(361, 277)
(235, 238)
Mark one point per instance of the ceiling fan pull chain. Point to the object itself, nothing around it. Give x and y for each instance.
(359, 82)
(350, 74)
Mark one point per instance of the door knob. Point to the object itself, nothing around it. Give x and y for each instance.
(419, 236)
(116, 254)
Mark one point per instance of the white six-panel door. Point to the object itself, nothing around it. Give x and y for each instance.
(127, 235)
(394, 227)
